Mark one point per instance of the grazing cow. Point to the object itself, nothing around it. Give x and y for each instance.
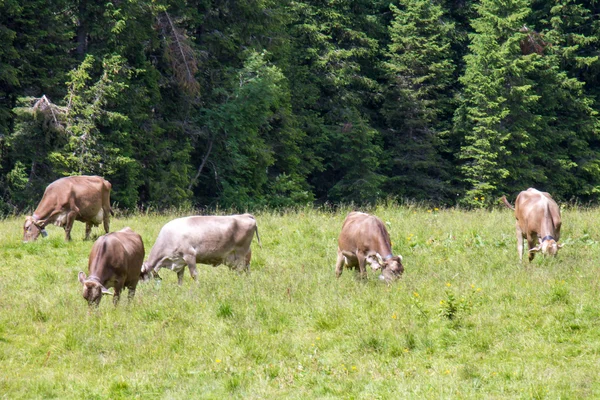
(538, 219)
(115, 261)
(364, 240)
(210, 240)
(81, 198)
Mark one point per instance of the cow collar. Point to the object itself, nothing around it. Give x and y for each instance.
(549, 237)
(36, 220)
(387, 257)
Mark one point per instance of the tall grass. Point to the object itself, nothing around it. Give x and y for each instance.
(466, 320)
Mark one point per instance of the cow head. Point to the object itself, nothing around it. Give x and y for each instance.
(146, 273)
(392, 268)
(32, 229)
(547, 246)
(92, 290)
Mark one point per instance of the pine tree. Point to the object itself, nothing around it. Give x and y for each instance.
(419, 99)
(493, 95)
(525, 121)
(332, 69)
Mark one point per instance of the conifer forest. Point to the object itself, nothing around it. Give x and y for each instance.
(277, 103)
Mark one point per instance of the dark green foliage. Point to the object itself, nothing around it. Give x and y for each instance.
(276, 104)
(419, 99)
(524, 122)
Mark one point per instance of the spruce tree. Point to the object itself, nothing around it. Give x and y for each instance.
(418, 99)
(494, 100)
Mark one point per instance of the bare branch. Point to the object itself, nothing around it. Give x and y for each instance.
(181, 55)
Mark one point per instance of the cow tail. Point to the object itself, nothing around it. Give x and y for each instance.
(507, 203)
(257, 237)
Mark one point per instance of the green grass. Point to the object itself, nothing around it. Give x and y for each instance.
(466, 320)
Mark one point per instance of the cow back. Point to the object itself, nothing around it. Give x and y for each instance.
(364, 232)
(89, 194)
(209, 238)
(537, 212)
(117, 255)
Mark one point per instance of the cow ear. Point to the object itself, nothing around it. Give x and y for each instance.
(81, 276)
(535, 249)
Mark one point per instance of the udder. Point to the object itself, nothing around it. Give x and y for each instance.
(98, 218)
(61, 219)
(175, 264)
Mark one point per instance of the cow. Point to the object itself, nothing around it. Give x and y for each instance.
(81, 198)
(115, 261)
(538, 220)
(365, 240)
(212, 240)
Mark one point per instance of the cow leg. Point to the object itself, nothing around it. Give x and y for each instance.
(190, 260)
(69, 225)
(180, 276)
(519, 242)
(247, 261)
(106, 220)
(532, 242)
(88, 230)
(117, 296)
(130, 293)
(339, 264)
(362, 265)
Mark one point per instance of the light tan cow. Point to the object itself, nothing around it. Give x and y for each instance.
(115, 261)
(365, 240)
(538, 220)
(212, 240)
(70, 199)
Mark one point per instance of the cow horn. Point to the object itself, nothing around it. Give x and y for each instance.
(535, 249)
(105, 291)
(560, 246)
(379, 258)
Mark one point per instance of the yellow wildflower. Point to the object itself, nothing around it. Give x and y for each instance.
(448, 284)
(416, 294)
(394, 316)
(217, 361)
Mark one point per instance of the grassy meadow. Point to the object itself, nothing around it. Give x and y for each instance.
(466, 320)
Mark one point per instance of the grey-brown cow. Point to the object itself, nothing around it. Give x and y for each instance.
(212, 240)
(115, 261)
(365, 240)
(538, 220)
(81, 198)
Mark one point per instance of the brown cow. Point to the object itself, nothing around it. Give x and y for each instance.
(210, 240)
(364, 240)
(538, 219)
(81, 198)
(115, 261)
